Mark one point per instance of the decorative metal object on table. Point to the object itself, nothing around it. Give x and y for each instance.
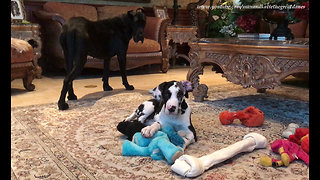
(29, 32)
(278, 17)
(261, 64)
(193, 11)
(176, 7)
(192, 8)
(178, 34)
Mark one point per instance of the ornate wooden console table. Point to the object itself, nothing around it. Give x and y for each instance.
(179, 34)
(261, 64)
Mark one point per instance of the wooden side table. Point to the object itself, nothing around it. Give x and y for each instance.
(31, 34)
(178, 35)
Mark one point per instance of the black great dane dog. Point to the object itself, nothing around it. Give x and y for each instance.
(101, 39)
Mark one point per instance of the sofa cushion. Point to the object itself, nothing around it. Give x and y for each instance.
(21, 51)
(106, 12)
(67, 10)
(148, 45)
(152, 28)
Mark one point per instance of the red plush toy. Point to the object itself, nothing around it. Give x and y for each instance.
(301, 137)
(250, 116)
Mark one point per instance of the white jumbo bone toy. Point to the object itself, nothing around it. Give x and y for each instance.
(189, 166)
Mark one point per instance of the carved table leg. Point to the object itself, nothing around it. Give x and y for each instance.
(173, 52)
(165, 65)
(200, 93)
(261, 90)
(199, 90)
(27, 80)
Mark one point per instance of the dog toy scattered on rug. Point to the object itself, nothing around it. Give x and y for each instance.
(301, 137)
(165, 144)
(289, 151)
(250, 117)
(189, 166)
(290, 130)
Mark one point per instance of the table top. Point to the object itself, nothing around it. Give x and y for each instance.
(182, 26)
(297, 48)
(298, 42)
(25, 27)
(24, 24)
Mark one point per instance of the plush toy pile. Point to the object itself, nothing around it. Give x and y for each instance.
(301, 137)
(296, 147)
(169, 145)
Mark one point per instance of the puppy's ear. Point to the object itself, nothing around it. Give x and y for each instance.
(152, 90)
(184, 105)
(186, 94)
(161, 86)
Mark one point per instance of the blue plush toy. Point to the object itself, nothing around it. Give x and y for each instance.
(165, 144)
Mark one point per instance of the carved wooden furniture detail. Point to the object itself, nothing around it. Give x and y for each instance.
(21, 62)
(179, 34)
(250, 63)
(31, 34)
(25, 52)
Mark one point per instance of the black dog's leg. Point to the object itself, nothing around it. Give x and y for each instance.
(68, 59)
(67, 82)
(71, 95)
(122, 65)
(69, 65)
(68, 56)
(62, 102)
(106, 74)
(77, 54)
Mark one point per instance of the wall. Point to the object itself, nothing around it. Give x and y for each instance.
(167, 3)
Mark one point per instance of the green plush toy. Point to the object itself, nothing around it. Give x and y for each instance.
(165, 144)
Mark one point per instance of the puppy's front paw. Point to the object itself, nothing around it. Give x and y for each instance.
(148, 131)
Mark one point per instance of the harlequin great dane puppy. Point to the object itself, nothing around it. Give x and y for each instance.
(101, 39)
(169, 109)
(147, 109)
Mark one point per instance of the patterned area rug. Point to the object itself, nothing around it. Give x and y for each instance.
(83, 143)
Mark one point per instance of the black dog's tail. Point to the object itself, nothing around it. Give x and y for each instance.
(67, 41)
